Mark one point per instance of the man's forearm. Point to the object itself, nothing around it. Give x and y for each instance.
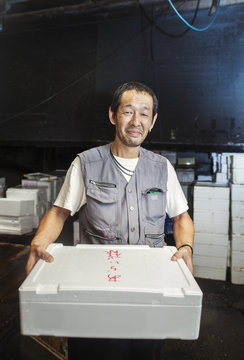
(184, 235)
(50, 226)
(183, 230)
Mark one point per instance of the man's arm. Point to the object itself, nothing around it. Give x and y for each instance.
(48, 231)
(183, 234)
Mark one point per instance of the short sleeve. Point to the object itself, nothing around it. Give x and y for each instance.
(72, 195)
(176, 203)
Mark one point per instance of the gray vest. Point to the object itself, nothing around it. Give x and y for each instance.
(121, 212)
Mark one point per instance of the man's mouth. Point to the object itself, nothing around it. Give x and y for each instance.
(134, 132)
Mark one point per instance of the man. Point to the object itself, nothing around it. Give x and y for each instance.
(122, 191)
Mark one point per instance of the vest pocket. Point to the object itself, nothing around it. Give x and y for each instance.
(155, 239)
(102, 205)
(153, 204)
(108, 238)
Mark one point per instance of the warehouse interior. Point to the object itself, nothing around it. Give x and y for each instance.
(60, 62)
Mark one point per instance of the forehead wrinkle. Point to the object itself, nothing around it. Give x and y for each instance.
(142, 107)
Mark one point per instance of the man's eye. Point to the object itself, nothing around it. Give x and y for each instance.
(145, 115)
(128, 112)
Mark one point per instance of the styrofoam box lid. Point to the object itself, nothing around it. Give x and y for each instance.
(111, 274)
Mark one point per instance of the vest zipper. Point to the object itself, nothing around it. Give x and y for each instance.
(101, 237)
(154, 236)
(102, 184)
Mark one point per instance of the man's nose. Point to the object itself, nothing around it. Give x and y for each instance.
(135, 120)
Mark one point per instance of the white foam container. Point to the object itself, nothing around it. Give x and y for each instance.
(211, 192)
(238, 176)
(153, 297)
(237, 275)
(16, 225)
(217, 228)
(16, 207)
(38, 195)
(211, 204)
(210, 250)
(211, 216)
(211, 238)
(237, 209)
(206, 272)
(237, 243)
(216, 262)
(237, 225)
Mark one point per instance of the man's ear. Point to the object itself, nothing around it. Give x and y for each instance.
(111, 115)
(153, 121)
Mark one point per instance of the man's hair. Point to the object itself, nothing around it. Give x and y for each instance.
(139, 87)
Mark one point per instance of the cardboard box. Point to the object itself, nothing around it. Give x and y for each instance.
(104, 291)
(16, 207)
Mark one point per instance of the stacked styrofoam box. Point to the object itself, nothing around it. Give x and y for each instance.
(38, 195)
(211, 221)
(48, 183)
(2, 187)
(16, 216)
(237, 169)
(237, 234)
(76, 232)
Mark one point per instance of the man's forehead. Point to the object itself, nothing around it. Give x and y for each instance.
(133, 97)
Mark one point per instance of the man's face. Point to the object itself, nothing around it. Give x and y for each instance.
(134, 117)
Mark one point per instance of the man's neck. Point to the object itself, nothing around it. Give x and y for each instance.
(123, 151)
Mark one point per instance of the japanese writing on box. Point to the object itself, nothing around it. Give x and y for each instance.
(113, 258)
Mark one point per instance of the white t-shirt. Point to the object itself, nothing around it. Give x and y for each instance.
(72, 195)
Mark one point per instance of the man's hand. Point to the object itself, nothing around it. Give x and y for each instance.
(48, 231)
(37, 252)
(184, 253)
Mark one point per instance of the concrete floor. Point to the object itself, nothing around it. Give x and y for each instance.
(221, 333)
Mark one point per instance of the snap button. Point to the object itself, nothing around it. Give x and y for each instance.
(133, 229)
(131, 208)
(130, 190)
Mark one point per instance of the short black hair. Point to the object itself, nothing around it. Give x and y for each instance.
(139, 87)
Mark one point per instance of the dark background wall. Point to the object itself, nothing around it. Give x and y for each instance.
(57, 82)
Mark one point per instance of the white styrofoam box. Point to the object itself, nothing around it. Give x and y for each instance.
(185, 175)
(76, 232)
(16, 207)
(211, 204)
(210, 250)
(49, 185)
(237, 192)
(40, 211)
(238, 161)
(211, 192)
(237, 242)
(217, 227)
(207, 272)
(16, 225)
(238, 176)
(36, 194)
(237, 275)
(237, 225)
(237, 209)
(210, 261)
(237, 259)
(211, 216)
(222, 178)
(104, 291)
(215, 239)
